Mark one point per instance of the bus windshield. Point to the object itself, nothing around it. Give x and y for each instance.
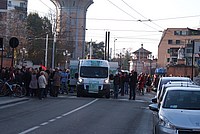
(94, 72)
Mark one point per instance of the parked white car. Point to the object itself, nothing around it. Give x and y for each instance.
(174, 84)
(164, 80)
(179, 111)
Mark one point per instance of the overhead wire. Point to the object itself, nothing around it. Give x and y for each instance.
(141, 15)
(131, 15)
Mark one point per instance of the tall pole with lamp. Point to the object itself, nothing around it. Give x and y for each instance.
(114, 46)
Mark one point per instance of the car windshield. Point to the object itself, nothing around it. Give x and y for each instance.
(181, 99)
(94, 72)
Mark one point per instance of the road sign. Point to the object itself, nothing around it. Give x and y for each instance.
(14, 42)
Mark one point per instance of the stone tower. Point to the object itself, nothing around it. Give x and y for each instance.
(71, 24)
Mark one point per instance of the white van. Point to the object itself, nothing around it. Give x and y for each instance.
(93, 78)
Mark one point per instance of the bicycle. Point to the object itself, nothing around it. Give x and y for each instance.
(11, 89)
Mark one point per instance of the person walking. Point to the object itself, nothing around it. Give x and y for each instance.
(116, 83)
(132, 84)
(42, 82)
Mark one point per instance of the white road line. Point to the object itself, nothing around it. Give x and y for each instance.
(58, 117)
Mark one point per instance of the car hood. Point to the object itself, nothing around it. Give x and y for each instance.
(183, 118)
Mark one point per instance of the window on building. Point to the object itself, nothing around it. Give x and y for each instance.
(178, 42)
(180, 32)
(174, 59)
(170, 41)
(189, 50)
(22, 4)
(177, 32)
(168, 51)
(168, 59)
(184, 32)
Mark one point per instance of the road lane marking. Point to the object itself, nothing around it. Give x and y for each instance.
(58, 117)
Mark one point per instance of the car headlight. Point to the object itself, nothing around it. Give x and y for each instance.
(106, 81)
(164, 122)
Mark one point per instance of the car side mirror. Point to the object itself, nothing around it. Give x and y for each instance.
(154, 100)
(154, 107)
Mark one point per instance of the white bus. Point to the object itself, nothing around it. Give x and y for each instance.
(93, 78)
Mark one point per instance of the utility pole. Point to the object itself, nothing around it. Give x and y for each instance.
(46, 50)
(114, 46)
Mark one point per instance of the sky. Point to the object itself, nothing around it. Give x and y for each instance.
(132, 22)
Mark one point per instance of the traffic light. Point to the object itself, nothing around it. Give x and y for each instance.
(1, 42)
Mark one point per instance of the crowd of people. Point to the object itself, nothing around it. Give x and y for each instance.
(131, 83)
(38, 82)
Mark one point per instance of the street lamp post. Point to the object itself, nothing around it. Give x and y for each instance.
(114, 47)
(66, 53)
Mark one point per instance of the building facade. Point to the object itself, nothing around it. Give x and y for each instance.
(174, 40)
(143, 61)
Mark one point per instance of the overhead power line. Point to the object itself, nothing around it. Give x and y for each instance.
(140, 14)
(130, 14)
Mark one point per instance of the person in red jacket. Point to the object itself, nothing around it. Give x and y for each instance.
(141, 82)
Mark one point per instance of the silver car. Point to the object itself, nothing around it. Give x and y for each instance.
(164, 80)
(174, 84)
(179, 111)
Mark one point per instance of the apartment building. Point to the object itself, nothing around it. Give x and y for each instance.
(13, 14)
(172, 40)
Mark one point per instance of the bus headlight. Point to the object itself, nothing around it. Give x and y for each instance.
(80, 80)
(106, 81)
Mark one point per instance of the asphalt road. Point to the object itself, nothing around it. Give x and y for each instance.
(72, 115)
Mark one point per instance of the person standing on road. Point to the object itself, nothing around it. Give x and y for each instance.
(116, 83)
(122, 81)
(132, 84)
(33, 84)
(42, 82)
(27, 79)
(64, 81)
(56, 82)
(141, 82)
(126, 82)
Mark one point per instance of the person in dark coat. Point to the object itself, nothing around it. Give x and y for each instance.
(116, 83)
(122, 81)
(27, 79)
(132, 84)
